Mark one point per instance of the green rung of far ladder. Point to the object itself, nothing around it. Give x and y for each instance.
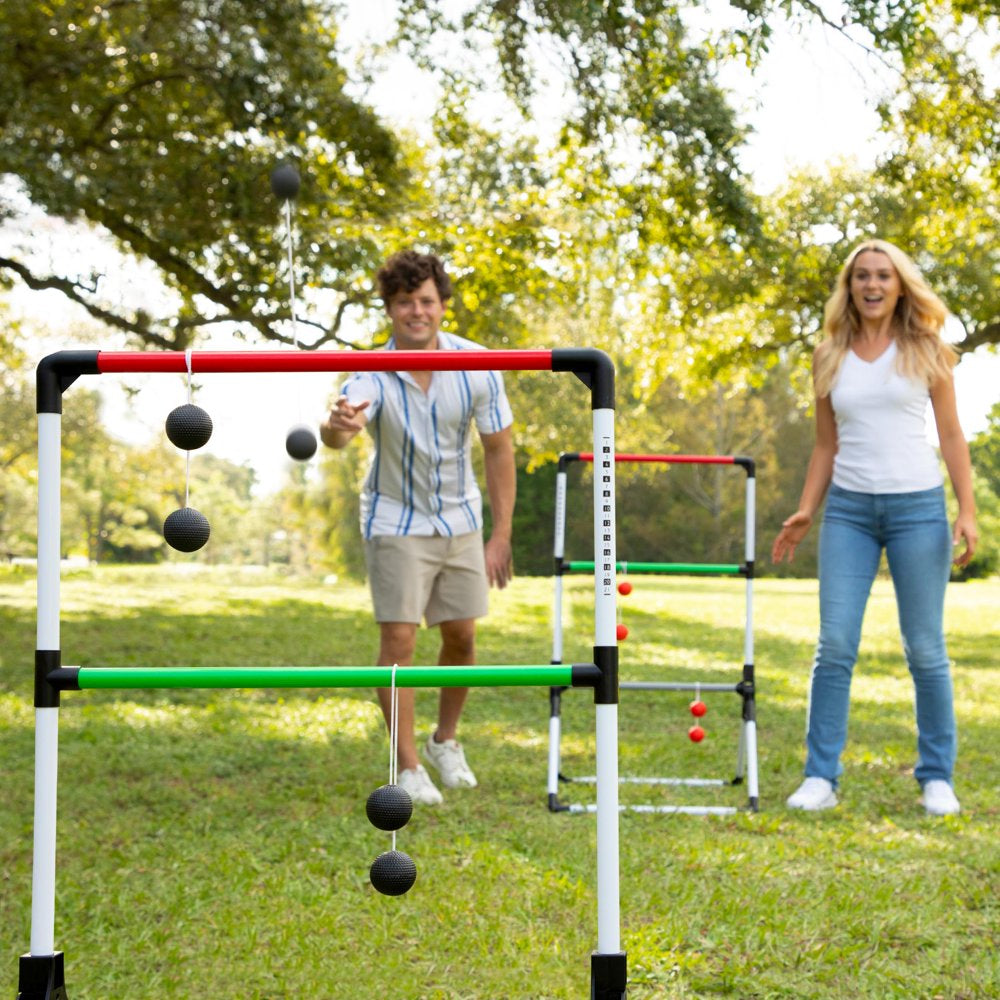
(705, 569)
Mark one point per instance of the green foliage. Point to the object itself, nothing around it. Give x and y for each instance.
(984, 449)
(161, 121)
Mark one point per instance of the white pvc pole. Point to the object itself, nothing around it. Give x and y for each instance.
(558, 548)
(750, 727)
(605, 625)
(555, 734)
(43, 877)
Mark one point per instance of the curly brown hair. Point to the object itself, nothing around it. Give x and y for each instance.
(407, 270)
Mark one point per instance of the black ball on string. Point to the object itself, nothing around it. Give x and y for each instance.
(186, 530)
(188, 427)
(393, 873)
(301, 443)
(285, 181)
(389, 807)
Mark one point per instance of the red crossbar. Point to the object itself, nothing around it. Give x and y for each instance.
(588, 456)
(322, 361)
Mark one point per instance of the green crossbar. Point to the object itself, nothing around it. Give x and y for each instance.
(704, 569)
(547, 675)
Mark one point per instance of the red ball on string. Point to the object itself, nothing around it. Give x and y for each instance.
(625, 588)
(621, 632)
(698, 708)
(696, 734)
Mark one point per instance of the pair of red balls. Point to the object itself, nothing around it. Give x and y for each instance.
(698, 708)
(624, 588)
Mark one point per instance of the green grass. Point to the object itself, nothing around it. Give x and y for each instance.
(214, 843)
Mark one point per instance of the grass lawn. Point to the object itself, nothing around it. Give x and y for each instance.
(214, 843)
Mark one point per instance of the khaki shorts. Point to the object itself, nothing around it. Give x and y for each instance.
(436, 577)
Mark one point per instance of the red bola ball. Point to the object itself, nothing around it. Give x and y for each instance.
(698, 709)
(625, 588)
(696, 734)
(621, 632)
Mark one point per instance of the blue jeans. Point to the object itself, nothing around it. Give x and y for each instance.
(913, 530)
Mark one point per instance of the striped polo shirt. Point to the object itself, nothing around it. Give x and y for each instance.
(421, 480)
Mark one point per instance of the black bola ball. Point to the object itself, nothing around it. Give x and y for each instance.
(186, 529)
(285, 181)
(301, 443)
(393, 873)
(389, 807)
(189, 427)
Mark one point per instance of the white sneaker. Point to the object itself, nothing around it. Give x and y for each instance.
(939, 799)
(813, 794)
(417, 783)
(448, 759)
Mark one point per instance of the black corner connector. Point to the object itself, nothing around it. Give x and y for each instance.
(57, 372)
(593, 368)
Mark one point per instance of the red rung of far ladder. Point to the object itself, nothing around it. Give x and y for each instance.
(588, 456)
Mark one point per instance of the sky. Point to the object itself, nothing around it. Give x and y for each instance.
(810, 106)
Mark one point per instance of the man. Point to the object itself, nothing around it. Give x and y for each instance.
(421, 508)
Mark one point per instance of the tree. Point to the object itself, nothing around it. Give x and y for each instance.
(161, 121)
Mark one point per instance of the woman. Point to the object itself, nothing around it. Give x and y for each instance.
(882, 358)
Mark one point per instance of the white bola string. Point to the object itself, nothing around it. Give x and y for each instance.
(187, 453)
(291, 268)
(393, 734)
(291, 286)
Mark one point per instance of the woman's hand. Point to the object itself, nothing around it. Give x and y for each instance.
(965, 528)
(792, 532)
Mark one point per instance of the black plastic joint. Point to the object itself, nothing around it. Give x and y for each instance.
(41, 977)
(566, 458)
(608, 976)
(46, 660)
(555, 700)
(57, 372)
(585, 675)
(747, 569)
(606, 690)
(593, 368)
(747, 463)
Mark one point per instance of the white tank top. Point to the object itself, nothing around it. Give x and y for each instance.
(882, 444)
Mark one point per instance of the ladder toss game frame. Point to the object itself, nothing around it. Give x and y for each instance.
(41, 970)
(746, 757)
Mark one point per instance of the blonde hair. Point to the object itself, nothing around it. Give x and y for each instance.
(917, 324)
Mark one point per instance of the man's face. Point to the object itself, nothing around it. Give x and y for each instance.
(416, 317)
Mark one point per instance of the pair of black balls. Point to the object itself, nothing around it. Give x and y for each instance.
(188, 427)
(393, 873)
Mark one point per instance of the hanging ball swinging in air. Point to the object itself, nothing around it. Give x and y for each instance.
(696, 734)
(301, 443)
(285, 181)
(186, 529)
(624, 588)
(698, 708)
(393, 873)
(188, 427)
(389, 807)
(621, 632)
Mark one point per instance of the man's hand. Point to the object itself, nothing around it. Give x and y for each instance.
(344, 421)
(499, 562)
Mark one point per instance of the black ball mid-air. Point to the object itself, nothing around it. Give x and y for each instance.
(301, 443)
(285, 181)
